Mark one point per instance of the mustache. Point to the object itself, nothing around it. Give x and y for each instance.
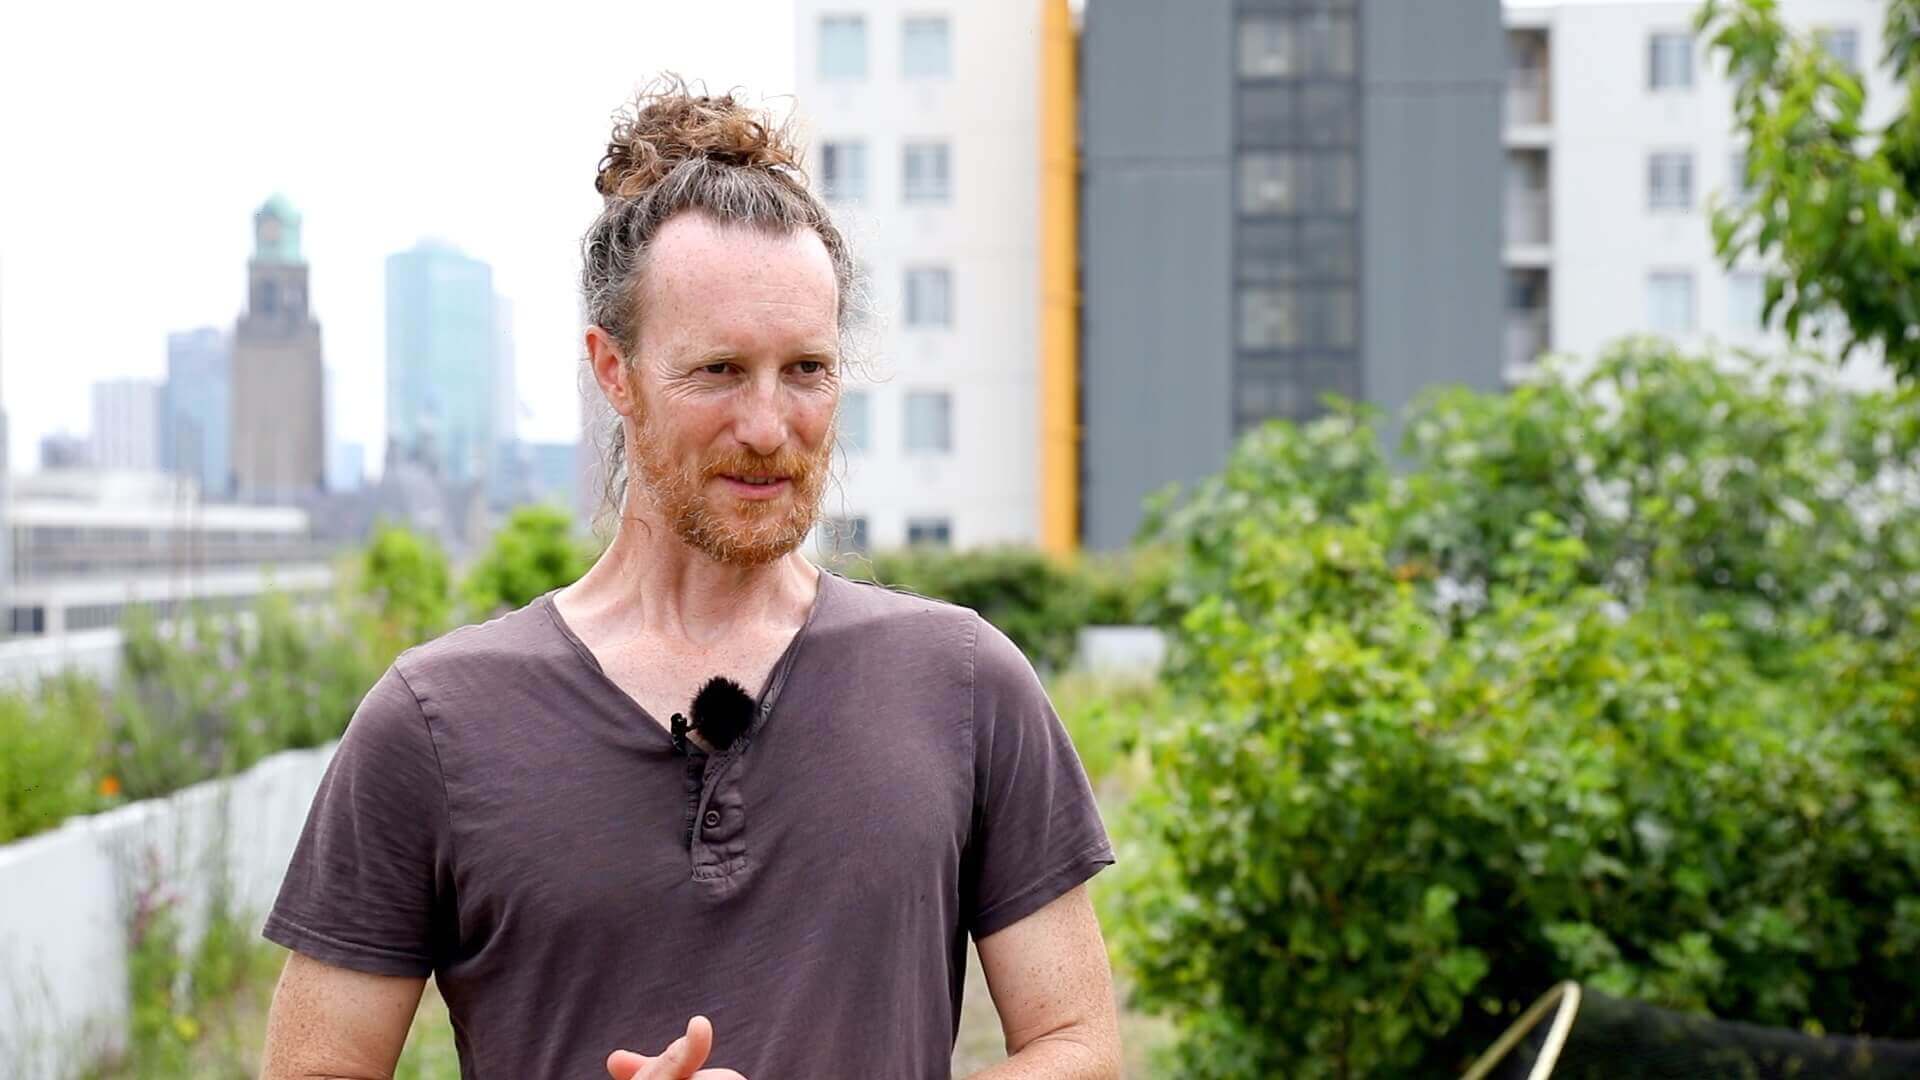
(787, 463)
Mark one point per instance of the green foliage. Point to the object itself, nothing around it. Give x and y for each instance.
(47, 741)
(1033, 599)
(1108, 718)
(1835, 203)
(167, 717)
(161, 1024)
(188, 1005)
(207, 696)
(405, 576)
(1759, 487)
(1576, 694)
(534, 553)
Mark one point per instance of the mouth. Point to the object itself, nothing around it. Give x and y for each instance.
(757, 487)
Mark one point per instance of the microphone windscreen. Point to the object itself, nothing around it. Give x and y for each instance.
(722, 710)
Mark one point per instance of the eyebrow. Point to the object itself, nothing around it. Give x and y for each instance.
(718, 354)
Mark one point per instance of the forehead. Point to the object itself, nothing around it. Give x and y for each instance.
(707, 280)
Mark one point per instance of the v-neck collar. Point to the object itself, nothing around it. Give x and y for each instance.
(776, 677)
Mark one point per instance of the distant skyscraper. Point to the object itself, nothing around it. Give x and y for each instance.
(126, 424)
(551, 475)
(61, 450)
(279, 407)
(346, 467)
(506, 396)
(196, 408)
(441, 359)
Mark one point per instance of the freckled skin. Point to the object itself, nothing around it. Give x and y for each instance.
(736, 371)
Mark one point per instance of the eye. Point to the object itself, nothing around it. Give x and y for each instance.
(719, 367)
(811, 367)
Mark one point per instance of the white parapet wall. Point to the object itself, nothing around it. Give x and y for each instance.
(1122, 650)
(67, 899)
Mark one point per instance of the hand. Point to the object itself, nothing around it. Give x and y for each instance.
(679, 1061)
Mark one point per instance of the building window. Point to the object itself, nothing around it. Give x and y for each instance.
(1268, 48)
(1267, 112)
(1282, 46)
(1670, 181)
(929, 422)
(925, 172)
(855, 420)
(1746, 296)
(1670, 62)
(843, 170)
(1329, 317)
(929, 296)
(1841, 43)
(1269, 319)
(1314, 316)
(926, 47)
(1739, 186)
(933, 531)
(1670, 302)
(1281, 182)
(1329, 114)
(843, 47)
(1327, 38)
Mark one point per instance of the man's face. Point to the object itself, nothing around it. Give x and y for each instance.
(736, 377)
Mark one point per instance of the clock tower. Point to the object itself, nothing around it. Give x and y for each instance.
(279, 403)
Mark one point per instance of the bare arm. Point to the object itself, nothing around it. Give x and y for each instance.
(329, 1023)
(1050, 982)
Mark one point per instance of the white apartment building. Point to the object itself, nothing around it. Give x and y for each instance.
(922, 127)
(1619, 133)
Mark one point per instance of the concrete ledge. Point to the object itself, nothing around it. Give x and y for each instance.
(67, 898)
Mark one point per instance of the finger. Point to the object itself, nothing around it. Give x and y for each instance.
(677, 1062)
(625, 1064)
(687, 1053)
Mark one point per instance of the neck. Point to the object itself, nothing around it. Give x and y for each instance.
(650, 584)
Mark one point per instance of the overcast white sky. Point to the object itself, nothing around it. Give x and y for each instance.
(136, 140)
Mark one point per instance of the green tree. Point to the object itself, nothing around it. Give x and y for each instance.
(1835, 202)
(1529, 708)
(406, 578)
(534, 553)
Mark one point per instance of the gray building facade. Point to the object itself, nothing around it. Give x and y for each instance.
(1281, 199)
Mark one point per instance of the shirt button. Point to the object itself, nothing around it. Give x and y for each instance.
(711, 819)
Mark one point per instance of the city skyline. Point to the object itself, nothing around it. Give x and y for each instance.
(413, 145)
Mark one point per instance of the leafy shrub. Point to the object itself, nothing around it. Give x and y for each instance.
(1037, 600)
(404, 575)
(47, 743)
(534, 553)
(1454, 734)
(1109, 719)
(1033, 599)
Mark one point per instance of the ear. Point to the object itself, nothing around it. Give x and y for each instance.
(610, 371)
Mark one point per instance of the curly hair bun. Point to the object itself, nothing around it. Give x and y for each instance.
(667, 123)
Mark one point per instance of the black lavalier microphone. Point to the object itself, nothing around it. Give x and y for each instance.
(722, 710)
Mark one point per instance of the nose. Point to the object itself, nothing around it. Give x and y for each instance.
(762, 425)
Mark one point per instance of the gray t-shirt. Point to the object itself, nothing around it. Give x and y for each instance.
(502, 815)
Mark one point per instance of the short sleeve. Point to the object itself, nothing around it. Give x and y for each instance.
(369, 886)
(1037, 831)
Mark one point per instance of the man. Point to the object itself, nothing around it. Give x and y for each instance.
(516, 810)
